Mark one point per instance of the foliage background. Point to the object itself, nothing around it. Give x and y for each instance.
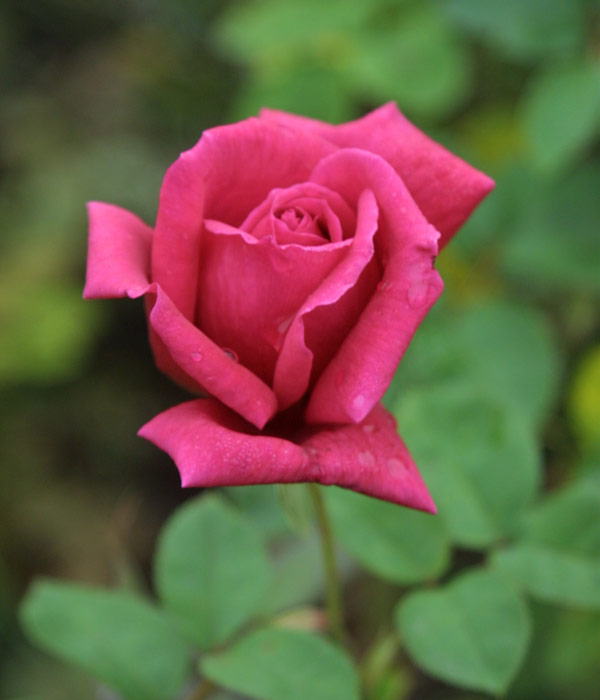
(97, 99)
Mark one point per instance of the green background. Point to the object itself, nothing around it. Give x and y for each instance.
(499, 395)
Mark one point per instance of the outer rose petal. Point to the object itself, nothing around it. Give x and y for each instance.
(226, 175)
(118, 260)
(445, 187)
(211, 446)
(359, 374)
(207, 364)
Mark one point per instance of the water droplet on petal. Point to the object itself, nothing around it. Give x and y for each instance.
(197, 356)
(284, 325)
(384, 286)
(395, 465)
(366, 459)
(368, 428)
(231, 353)
(418, 294)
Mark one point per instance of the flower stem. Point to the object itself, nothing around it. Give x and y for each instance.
(332, 581)
(202, 690)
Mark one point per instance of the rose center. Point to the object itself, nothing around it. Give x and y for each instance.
(298, 220)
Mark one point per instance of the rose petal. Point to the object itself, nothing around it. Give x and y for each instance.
(211, 446)
(227, 174)
(295, 361)
(359, 374)
(206, 363)
(118, 258)
(445, 187)
(340, 218)
(249, 290)
(370, 458)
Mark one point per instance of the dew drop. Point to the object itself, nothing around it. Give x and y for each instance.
(284, 325)
(197, 356)
(368, 428)
(384, 286)
(418, 295)
(366, 459)
(395, 465)
(231, 354)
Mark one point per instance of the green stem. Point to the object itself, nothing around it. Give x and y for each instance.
(332, 581)
(202, 690)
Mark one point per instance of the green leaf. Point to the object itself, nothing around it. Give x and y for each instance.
(561, 113)
(118, 638)
(271, 35)
(478, 458)
(271, 664)
(555, 243)
(498, 350)
(521, 28)
(558, 559)
(473, 632)
(211, 570)
(416, 60)
(392, 542)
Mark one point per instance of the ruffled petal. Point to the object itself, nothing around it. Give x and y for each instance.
(118, 260)
(361, 371)
(226, 175)
(212, 446)
(206, 363)
(295, 361)
(445, 187)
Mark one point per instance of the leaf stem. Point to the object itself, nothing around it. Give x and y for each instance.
(332, 581)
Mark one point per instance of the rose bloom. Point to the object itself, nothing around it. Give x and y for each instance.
(290, 264)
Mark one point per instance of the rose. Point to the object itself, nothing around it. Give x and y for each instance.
(290, 265)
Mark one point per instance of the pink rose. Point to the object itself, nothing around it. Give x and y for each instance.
(289, 267)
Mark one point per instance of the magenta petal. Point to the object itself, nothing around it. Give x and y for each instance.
(445, 187)
(208, 365)
(210, 448)
(250, 289)
(227, 174)
(118, 259)
(295, 361)
(361, 371)
(370, 458)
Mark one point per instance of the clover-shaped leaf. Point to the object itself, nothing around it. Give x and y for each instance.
(473, 632)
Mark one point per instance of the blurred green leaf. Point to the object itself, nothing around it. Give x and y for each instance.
(473, 632)
(261, 505)
(395, 543)
(211, 570)
(521, 28)
(306, 89)
(498, 350)
(561, 113)
(46, 332)
(555, 240)
(479, 460)
(584, 399)
(558, 558)
(273, 35)
(415, 59)
(117, 637)
(271, 664)
(298, 576)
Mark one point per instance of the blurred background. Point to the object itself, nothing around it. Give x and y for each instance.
(99, 97)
